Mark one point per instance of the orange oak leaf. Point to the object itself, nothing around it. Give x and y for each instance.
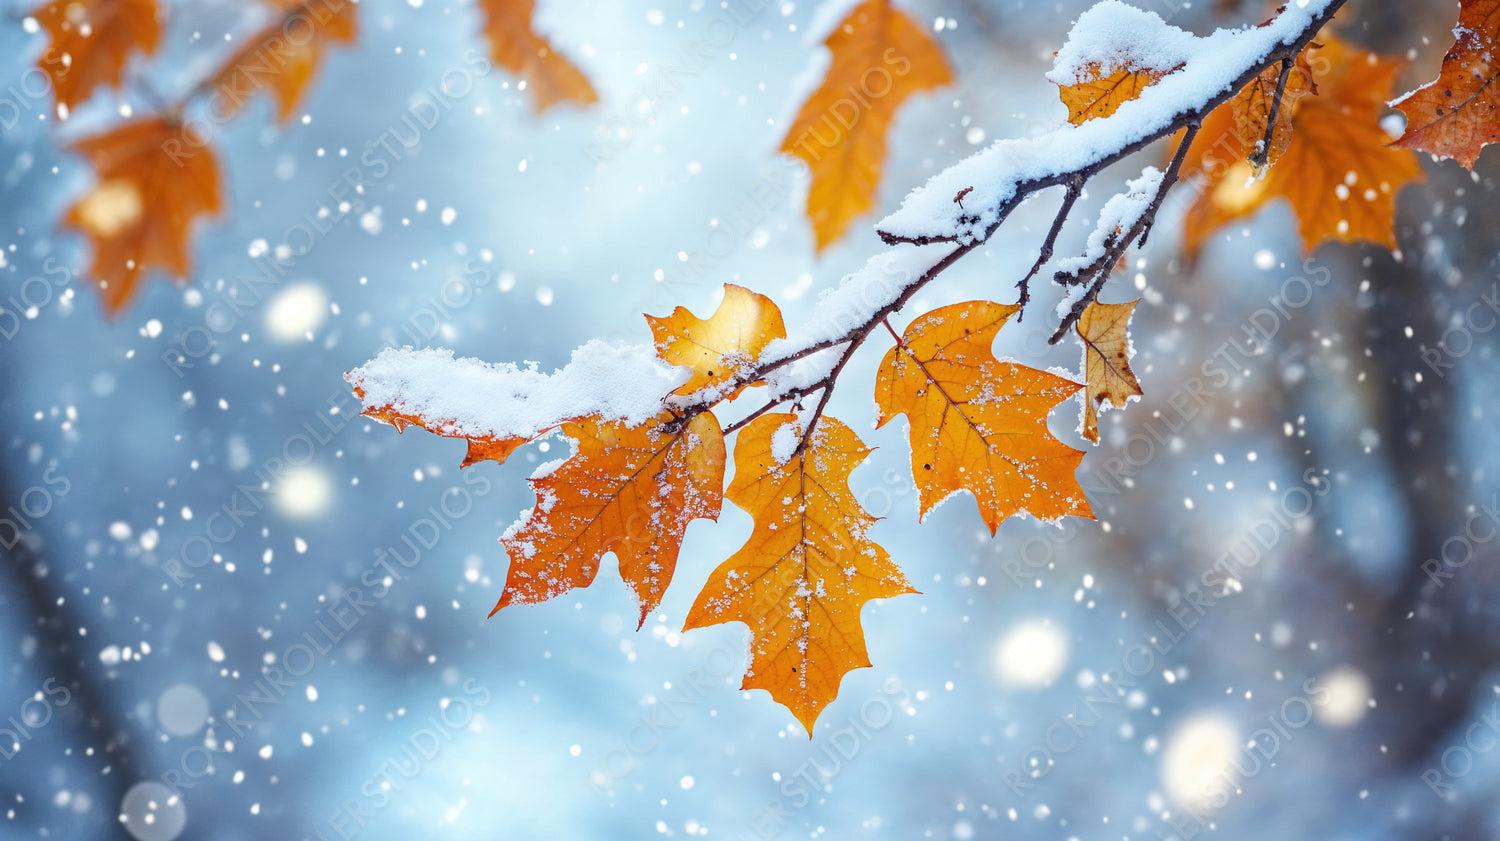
(1105, 331)
(978, 424)
(91, 42)
(1457, 115)
(1099, 95)
(717, 349)
(807, 570)
(1337, 172)
(516, 47)
(880, 58)
(140, 214)
(283, 57)
(630, 490)
(488, 448)
(1252, 108)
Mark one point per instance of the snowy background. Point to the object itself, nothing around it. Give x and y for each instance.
(183, 656)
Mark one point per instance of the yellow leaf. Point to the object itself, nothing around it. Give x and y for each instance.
(718, 348)
(514, 45)
(1097, 95)
(630, 490)
(1104, 329)
(978, 424)
(880, 58)
(807, 569)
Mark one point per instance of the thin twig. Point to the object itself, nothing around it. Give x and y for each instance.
(1100, 269)
(771, 404)
(1023, 189)
(1075, 189)
(856, 335)
(982, 18)
(154, 99)
(828, 382)
(1260, 156)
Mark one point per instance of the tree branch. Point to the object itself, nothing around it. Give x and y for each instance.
(769, 405)
(1190, 120)
(1027, 187)
(1099, 270)
(1075, 189)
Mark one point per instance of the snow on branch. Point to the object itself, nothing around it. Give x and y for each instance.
(1212, 69)
(469, 398)
(958, 209)
(1118, 214)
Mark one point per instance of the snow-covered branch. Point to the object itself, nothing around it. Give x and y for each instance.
(1208, 72)
(933, 229)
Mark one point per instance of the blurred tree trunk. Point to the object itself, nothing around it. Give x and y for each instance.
(34, 592)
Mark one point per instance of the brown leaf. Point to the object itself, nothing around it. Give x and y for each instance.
(284, 56)
(516, 47)
(717, 348)
(1105, 331)
(627, 490)
(91, 42)
(154, 180)
(480, 449)
(978, 424)
(1457, 115)
(1252, 107)
(1338, 173)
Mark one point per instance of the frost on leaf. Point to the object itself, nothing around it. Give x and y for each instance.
(140, 214)
(1105, 331)
(515, 46)
(978, 424)
(879, 59)
(807, 569)
(630, 490)
(91, 42)
(717, 348)
(1458, 114)
(1337, 171)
